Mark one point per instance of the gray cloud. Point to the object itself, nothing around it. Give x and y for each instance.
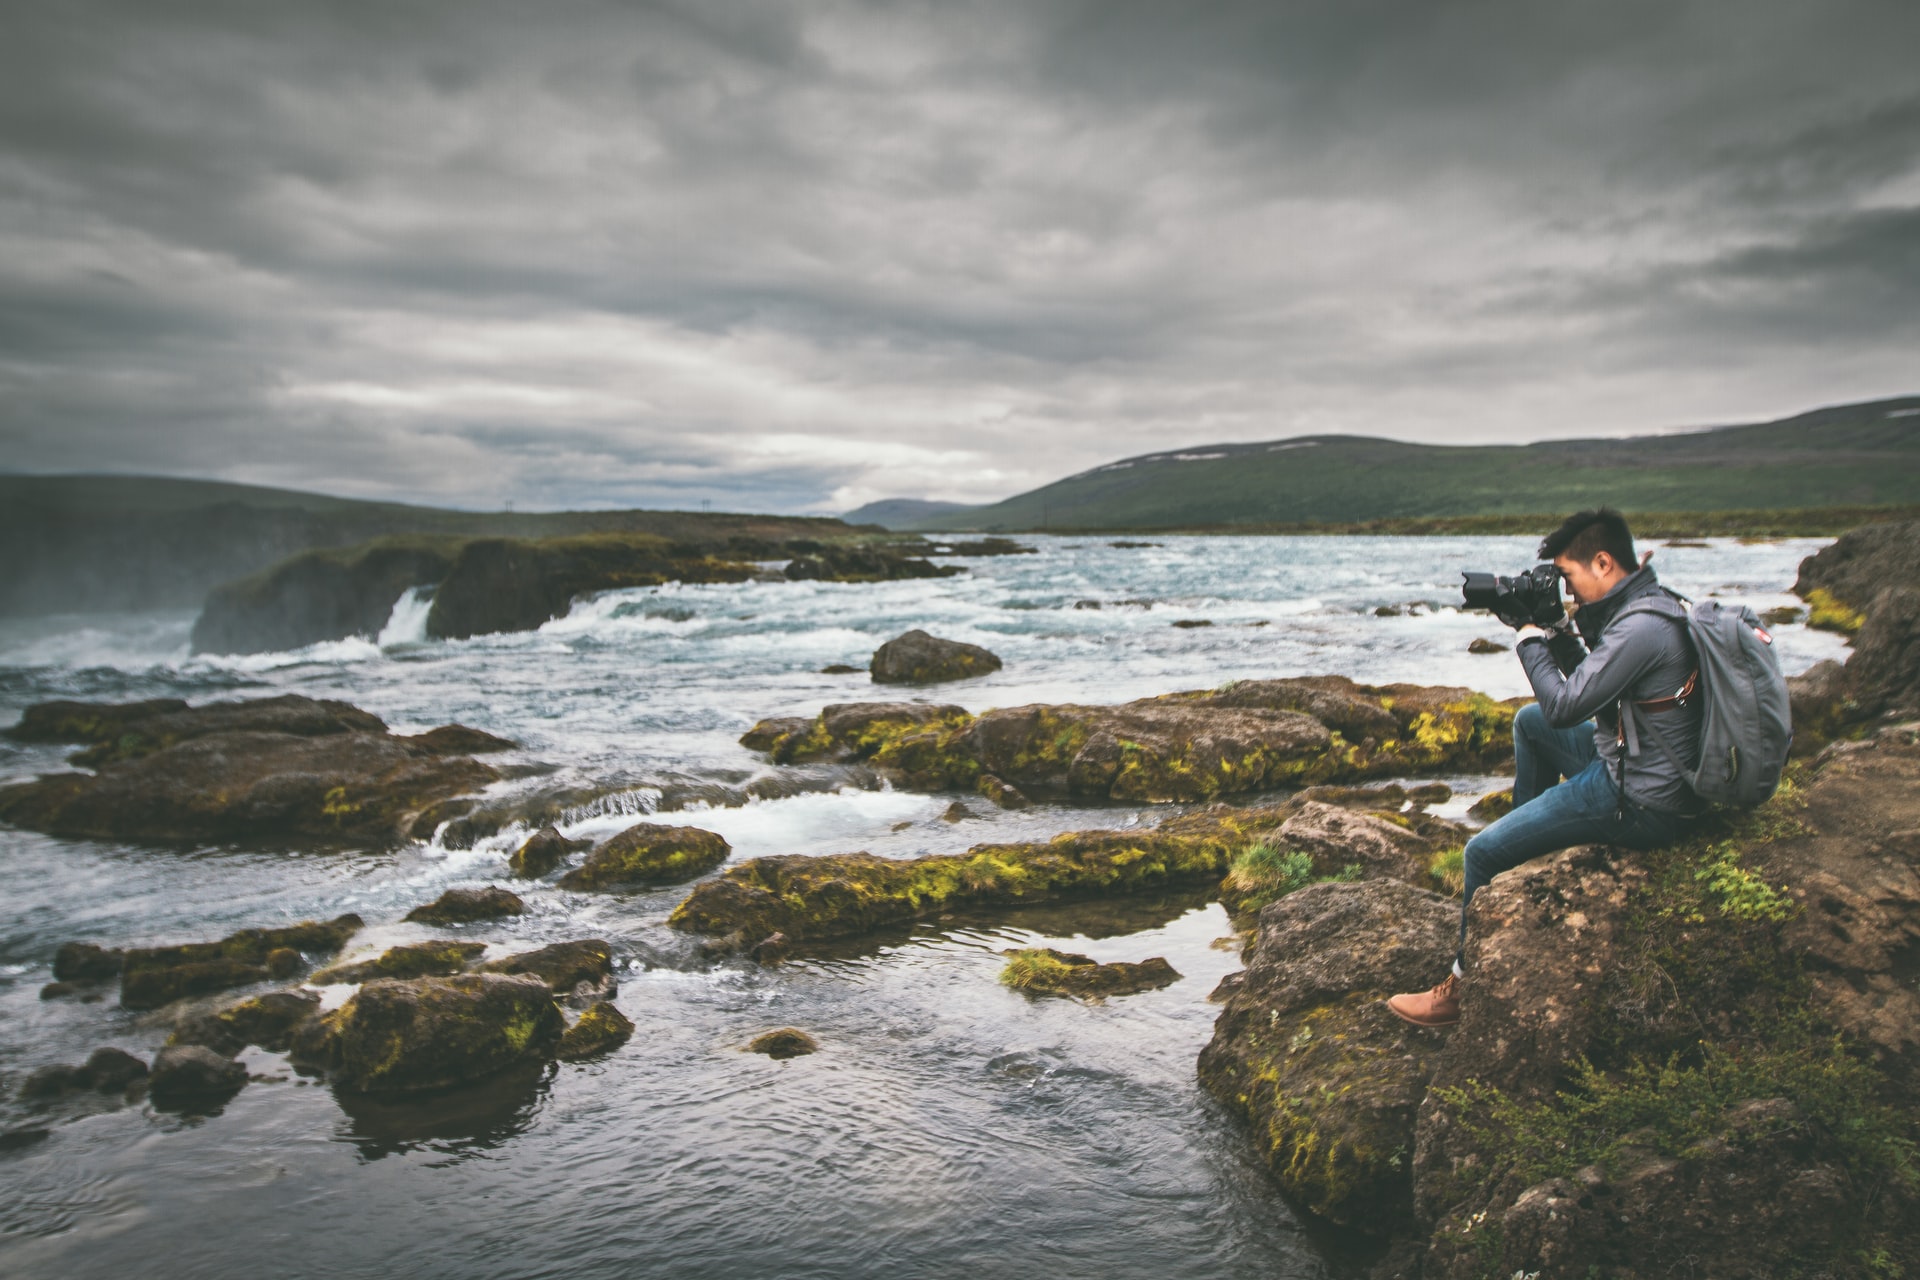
(797, 257)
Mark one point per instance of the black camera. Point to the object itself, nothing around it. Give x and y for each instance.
(1526, 599)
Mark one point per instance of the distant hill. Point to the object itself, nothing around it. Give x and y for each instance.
(904, 513)
(81, 544)
(1858, 455)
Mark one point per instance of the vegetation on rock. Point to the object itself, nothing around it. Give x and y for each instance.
(153, 976)
(649, 854)
(601, 1029)
(464, 906)
(441, 956)
(788, 1042)
(1045, 971)
(409, 1036)
(914, 657)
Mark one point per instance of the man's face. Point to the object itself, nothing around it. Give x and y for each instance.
(1587, 581)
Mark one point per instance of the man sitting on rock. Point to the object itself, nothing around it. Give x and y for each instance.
(1611, 794)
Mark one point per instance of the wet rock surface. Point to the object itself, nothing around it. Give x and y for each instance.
(106, 1070)
(153, 976)
(648, 854)
(843, 563)
(414, 960)
(1045, 971)
(601, 1029)
(319, 595)
(464, 906)
(1252, 736)
(544, 850)
(424, 1034)
(271, 771)
(191, 1076)
(269, 1021)
(1328, 1081)
(788, 1042)
(564, 966)
(916, 657)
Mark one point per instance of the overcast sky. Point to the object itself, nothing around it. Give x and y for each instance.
(803, 254)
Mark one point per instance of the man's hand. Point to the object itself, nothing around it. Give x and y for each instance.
(1530, 632)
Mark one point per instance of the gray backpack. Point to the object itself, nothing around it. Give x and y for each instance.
(1746, 728)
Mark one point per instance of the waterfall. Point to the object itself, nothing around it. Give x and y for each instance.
(407, 624)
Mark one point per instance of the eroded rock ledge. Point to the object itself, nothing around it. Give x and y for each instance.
(266, 771)
(1251, 736)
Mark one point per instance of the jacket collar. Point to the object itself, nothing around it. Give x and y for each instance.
(1592, 619)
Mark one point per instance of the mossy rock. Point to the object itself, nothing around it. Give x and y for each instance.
(422, 1034)
(649, 854)
(916, 657)
(464, 906)
(1045, 971)
(153, 976)
(563, 966)
(268, 1021)
(1492, 806)
(841, 895)
(544, 850)
(601, 1029)
(787, 1042)
(414, 960)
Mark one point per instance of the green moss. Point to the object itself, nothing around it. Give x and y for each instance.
(1040, 967)
(1828, 613)
(1449, 870)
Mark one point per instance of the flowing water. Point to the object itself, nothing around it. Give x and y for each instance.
(947, 1126)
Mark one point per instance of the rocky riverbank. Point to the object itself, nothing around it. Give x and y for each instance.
(1702, 1058)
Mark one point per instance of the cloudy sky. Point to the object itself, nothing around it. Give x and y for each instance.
(797, 256)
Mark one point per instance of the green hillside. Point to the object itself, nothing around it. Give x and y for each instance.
(1861, 455)
(78, 544)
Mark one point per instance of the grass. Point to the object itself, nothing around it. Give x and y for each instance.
(1262, 873)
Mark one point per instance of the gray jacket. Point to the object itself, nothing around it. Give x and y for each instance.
(1639, 656)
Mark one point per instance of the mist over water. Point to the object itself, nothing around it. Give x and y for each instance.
(947, 1126)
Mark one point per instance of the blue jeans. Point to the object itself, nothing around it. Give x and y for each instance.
(1550, 815)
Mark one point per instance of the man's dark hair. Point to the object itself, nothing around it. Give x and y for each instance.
(1585, 534)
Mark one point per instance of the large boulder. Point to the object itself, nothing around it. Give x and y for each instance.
(1856, 567)
(1865, 578)
(855, 563)
(274, 771)
(1884, 673)
(121, 731)
(601, 1029)
(1306, 1052)
(414, 960)
(106, 1070)
(153, 976)
(918, 658)
(421, 1034)
(649, 854)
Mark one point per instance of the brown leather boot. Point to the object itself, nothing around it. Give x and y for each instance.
(1439, 1007)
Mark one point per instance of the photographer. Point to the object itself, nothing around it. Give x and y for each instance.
(1617, 789)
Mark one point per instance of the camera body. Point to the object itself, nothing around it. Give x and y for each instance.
(1525, 599)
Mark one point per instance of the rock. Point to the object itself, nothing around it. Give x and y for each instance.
(117, 732)
(1883, 676)
(90, 722)
(464, 906)
(59, 990)
(956, 812)
(1817, 701)
(1785, 615)
(153, 976)
(52, 1081)
(985, 547)
(110, 1070)
(273, 771)
(415, 960)
(284, 962)
(319, 595)
(1125, 545)
(515, 584)
(838, 669)
(1188, 624)
(563, 966)
(1492, 806)
(189, 1075)
(601, 1029)
(788, 1042)
(459, 740)
(918, 658)
(1483, 645)
(84, 962)
(1339, 837)
(766, 734)
(1306, 1052)
(649, 854)
(544, 850)
(1861, 563)
(863, 564)
(421, 1034)
(269, 1021)
(841, 895)
(1044, 971)
(1003, 794)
